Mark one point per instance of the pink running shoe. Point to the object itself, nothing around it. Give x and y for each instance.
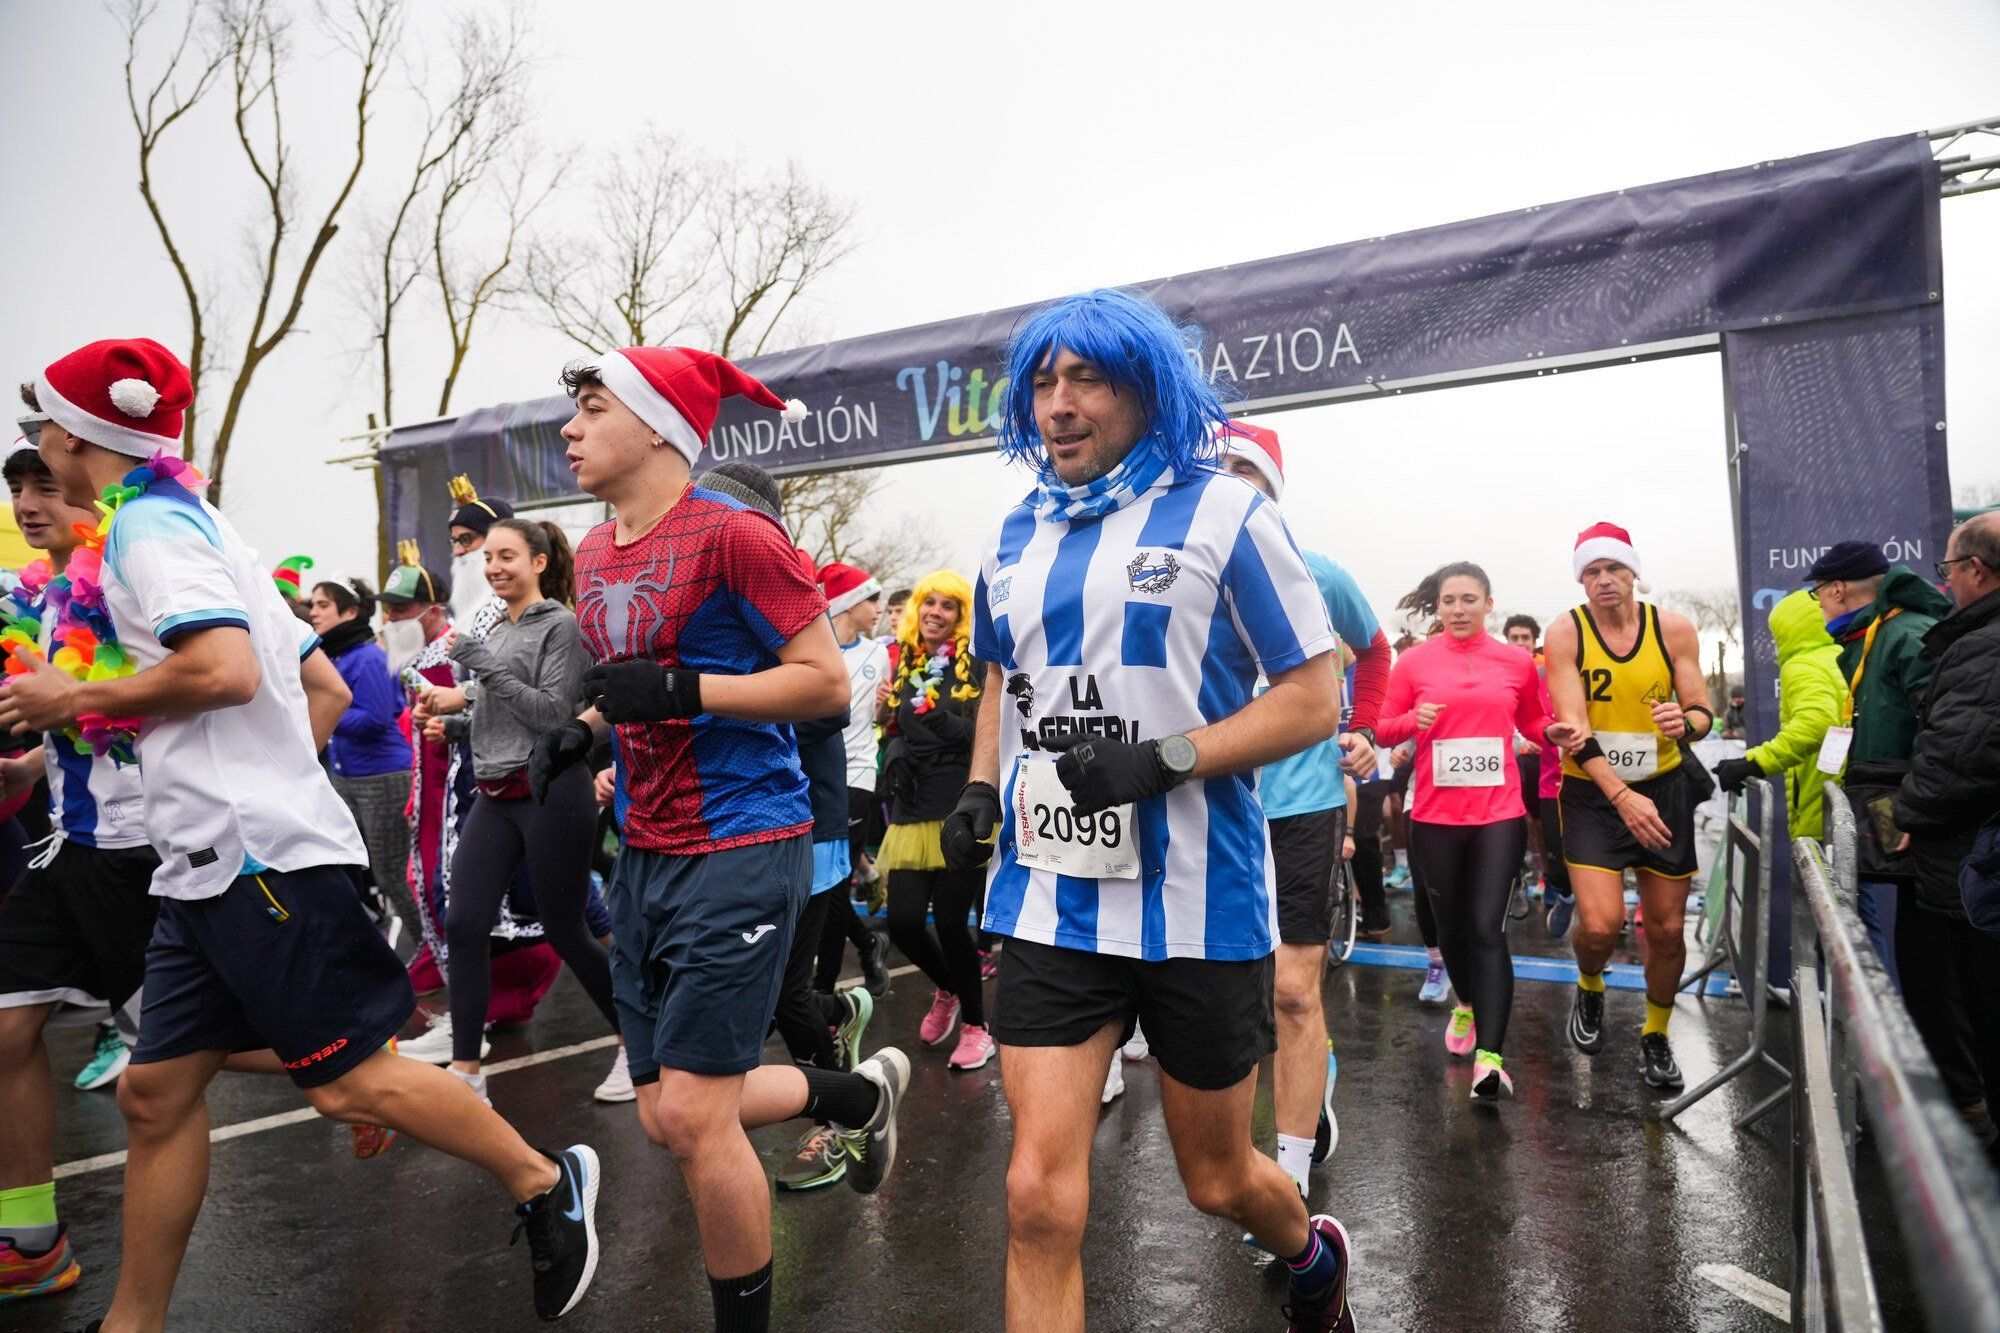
(975, 1047)
(936, 1028)
(1459, 1037)
(989, 965)
(24, 1275)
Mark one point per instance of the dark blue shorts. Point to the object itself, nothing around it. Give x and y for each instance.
(284, 959)
(698, 952)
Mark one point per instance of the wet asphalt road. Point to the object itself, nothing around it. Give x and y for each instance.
(1568, 1208)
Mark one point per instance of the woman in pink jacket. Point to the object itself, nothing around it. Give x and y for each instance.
(1463, 694)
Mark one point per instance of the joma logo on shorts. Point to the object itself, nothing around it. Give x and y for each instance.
(323, 1053)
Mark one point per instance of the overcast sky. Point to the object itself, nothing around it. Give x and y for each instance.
(1001, 156)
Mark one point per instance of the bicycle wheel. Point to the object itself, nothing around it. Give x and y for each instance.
(1346, 917)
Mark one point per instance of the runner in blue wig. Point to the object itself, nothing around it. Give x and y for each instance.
(1125, 610)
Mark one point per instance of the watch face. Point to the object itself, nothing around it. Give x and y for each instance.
(1177, 753)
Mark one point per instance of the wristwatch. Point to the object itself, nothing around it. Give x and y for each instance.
(1177, 756)
(1368, 732)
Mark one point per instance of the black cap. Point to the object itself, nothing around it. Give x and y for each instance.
(1849, 560)
(479, 515)
(746, 482)
(415, 583)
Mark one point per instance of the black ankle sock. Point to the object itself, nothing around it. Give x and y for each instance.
(846, 1099)
(742, 1304)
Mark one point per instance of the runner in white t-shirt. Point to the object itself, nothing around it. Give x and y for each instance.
(261, 939)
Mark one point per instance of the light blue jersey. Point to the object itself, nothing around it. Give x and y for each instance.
(1310, 780)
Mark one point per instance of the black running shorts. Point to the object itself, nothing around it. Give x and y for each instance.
(75, 930)
(1209, 1023)
(1594, 837)
(1305, 850)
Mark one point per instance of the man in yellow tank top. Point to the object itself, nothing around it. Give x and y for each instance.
(1626, 677)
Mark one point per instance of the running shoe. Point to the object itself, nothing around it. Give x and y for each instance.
(1436, 983)
(936, 1028)
(819, 1161)
(989, 964)
(1114, 1080)
(107, 1062)
(1136, 1046)
(847, 1037)
(1517, 901)
(1326, 1312)
(975, 1047)
(874, 972)
(871, 1148)
(1459, 1036)
(617, 1085)
(1656, 1056)
(1586, 1020)
(434, 1046)
(562, 1233)
(25, 1275)
(477, 1082)
(1399, 877)
(1562, 907)
(371, 1140)
(1489, 1081)
(1327, 1136)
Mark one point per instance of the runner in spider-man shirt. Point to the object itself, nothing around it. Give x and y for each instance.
(710, 637)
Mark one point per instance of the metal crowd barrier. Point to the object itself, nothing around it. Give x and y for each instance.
(1741, 937)
(1856, 1046)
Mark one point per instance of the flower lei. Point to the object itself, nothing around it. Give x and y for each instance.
(85, 640)
(928, 673)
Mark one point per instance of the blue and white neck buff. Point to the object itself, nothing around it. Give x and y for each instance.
(1135, 474)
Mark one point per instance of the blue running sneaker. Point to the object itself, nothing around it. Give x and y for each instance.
(1562, 907)
(1326, 1137)
(107, 1062)
(1436, 984)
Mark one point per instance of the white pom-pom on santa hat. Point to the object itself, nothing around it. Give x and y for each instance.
(135, 398)
(795, 410)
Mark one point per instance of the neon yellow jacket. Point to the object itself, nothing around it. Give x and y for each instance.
(1810, 693)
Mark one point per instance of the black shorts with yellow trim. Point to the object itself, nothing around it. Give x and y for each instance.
(1595, 837)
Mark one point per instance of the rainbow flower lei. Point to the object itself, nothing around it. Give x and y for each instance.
(85, 640)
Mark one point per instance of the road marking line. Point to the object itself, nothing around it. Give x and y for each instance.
(222, 1134)
(1748, 1287)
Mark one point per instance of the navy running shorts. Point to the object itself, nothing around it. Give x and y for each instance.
(280, 959)
(698, 952)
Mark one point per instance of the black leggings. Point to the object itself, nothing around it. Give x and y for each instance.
(951, 959)
(1468, 874)
(1555, 870)
(843, 923)
(554, 840)
(805, 1018)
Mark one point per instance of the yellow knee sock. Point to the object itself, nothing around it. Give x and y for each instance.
(1657, 1018)
(1591, 981)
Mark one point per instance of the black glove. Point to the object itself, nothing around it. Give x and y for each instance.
(641, 691)
(554, 752)
(1731, 774)
(966, 839)
(1101, 774)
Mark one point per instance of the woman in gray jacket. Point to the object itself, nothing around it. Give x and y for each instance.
(527, 679)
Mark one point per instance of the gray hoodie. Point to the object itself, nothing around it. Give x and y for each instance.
(529, 680)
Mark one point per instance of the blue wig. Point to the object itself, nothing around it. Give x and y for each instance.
(1138, 348)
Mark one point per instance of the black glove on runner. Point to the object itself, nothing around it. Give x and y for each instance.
(642, 691)
(966, 839)
(1101, 774)
(1731, 774)
(555, 751)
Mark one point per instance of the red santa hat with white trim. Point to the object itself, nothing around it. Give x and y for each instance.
(844, 586)
(678, 390)
(1607, 541)
(122, 394)
(1259, 445)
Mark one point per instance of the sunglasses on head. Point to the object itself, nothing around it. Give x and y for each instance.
(31, 426)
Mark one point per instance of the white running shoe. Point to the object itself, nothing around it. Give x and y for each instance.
(1136, 1048)
(434, 1046)
(617, 1085)
(477, 1082)
(1114, 1079)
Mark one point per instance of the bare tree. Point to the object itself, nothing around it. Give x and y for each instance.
(247, 46)
(1716, 612)
(772, 240)
(645, 261)
(1976, 494)
(489, 61)
(841, 516)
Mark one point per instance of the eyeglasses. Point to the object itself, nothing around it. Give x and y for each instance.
(1814, 591)
(1943, 567)
(462, 541)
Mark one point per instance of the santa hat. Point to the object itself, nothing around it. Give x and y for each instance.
(123, 394)
(677, 391)
(845, 586)
(1607, 541)
(1259, 444)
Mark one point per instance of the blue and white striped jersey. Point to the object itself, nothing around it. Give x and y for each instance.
(94, 801)
(1151, 621)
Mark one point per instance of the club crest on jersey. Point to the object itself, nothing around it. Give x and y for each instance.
(1149, 574)
(1000, 590)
